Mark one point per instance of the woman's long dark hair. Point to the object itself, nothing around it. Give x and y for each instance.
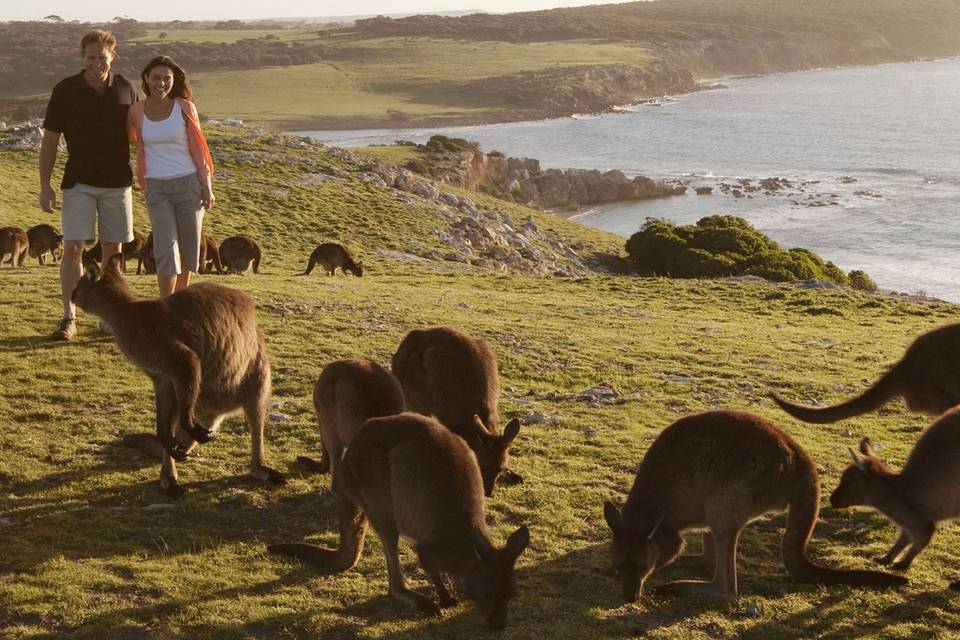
(181, 88)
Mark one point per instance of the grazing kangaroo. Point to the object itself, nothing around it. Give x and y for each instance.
(925, 492)
(44, 238)
(720, 470)
(237, 253)
(453, 377)
(128, 251)
(331, 255)
(413, 477)
(145, 257)
(348, 392)
(209, 255)
(201, 348)
(13, 240)
(927, 377)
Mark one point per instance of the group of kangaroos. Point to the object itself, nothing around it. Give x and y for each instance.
(414, 451)
(236, 254)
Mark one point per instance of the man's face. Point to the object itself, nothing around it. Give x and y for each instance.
(97, 58)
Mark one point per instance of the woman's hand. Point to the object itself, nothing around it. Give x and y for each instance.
(206, 197)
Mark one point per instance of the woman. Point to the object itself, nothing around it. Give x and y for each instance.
(174, 168)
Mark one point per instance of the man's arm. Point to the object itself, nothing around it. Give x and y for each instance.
(48, 157)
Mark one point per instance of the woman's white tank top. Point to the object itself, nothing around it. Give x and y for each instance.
(165, 146)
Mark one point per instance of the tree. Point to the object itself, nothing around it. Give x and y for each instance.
(53, 18)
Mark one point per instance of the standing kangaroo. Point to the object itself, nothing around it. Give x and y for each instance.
(720, 470)
(13, 240)
(203, 352)
(331, 255)
(44, 238)
(413, 477)
(209, 255)
(128, 251)
(927, 377)
(145, 257)
(237, 253)
(925, 492)
(453, 377)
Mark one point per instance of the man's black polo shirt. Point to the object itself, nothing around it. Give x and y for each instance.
(95, 128)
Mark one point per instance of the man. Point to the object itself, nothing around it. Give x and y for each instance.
(90, 111)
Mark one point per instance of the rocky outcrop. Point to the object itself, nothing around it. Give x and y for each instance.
(521, 180)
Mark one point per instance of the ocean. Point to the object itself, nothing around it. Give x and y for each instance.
(871, 156)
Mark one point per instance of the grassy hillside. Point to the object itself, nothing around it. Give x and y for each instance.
(85, 554)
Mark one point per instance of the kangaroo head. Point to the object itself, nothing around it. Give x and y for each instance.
(491, 450)
(357, 269)
(98, 286)
(491, 582)
(860, 483)
(633, 552)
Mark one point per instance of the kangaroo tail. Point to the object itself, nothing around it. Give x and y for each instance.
(256, 260)
(310, 265)
(876, 396)
(804, 506)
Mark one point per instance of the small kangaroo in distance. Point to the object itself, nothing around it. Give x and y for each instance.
(145, 257)
(720, 470)
(204, 354)
(13, 240)
(331, 255)
(209, 255)
(43, 238)
(927, 377)
(924, 493)
(348, 392)
(453, 377)
(128, 251)
(238, 253)
(413, 477)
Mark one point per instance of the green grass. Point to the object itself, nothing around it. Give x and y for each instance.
(223, 36)
(367, 78)
(82, 557)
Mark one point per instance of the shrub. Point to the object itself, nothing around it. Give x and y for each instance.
(860, 280)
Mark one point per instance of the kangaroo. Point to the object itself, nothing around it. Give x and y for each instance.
(348, 392)
(203, 352)
(209, 255)
(413, 477)
(925, 492)
(237, 253)
(927, 377)
(332, 255)
(128, 251)
(453, 377)
(720, 470)
(145, 257)
(44, 238)
(13, 240)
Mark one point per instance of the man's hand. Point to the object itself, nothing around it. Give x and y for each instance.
(48, 198)
(48, 156)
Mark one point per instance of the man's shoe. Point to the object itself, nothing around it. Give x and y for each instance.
(65, 330)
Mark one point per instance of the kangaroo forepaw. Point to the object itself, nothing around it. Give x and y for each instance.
(199, 433)
(903, 565)
(174, 448)
(313, 465)
(271, 476)
(883, 560)
(508, 477)
(173, 488)
(427, 605)
(447, 601)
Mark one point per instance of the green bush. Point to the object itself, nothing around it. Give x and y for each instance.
(860, 280)
(719, 246)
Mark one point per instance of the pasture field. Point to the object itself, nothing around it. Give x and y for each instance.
(86, 552)
(224, 36)
(365, 79)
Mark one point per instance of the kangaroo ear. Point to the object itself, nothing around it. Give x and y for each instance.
(517, 542)
(510, 432)
(612, 515)
(92, 272)
(651, 527)
(482, 545)
(858, 461)
(866, 447)
(113, 264)
(478, 422)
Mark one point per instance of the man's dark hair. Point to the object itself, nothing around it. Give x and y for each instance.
(99, 35)
(181, 88)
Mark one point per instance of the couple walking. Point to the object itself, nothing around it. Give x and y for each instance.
(99, 114)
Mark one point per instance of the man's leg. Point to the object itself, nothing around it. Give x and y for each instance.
(78, 217)
(116, 220)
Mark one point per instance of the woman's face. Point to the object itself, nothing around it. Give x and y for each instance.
(160, 81)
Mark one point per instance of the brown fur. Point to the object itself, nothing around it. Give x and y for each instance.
(201, 348)
(447, 374)
(13, 240)
(720, 470)
(412, 477)
(145, 257)
(43, 238)
(209, 255)
(128, 251)
(331, 255)
(927, 378)
(925, 492)
(237, 253)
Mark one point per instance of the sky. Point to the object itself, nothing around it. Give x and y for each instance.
(102, 10)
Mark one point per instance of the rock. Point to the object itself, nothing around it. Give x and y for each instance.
(814, 283)
(703, 191)
(754, 610)
(278, 417)
(539, 418)
(426, 190)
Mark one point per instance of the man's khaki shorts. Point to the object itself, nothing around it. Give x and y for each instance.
(81, 206)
